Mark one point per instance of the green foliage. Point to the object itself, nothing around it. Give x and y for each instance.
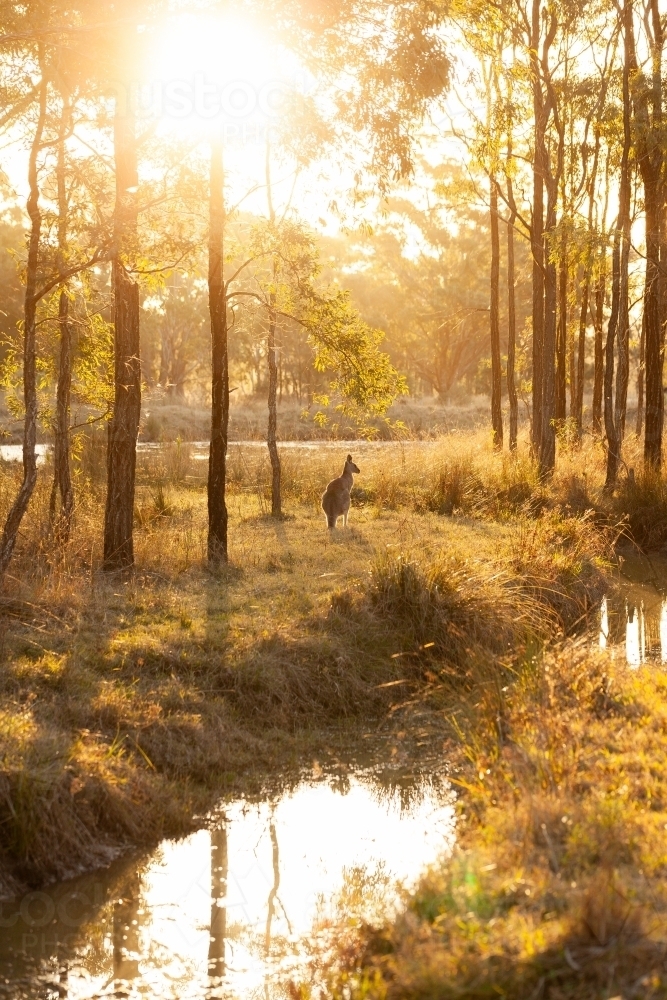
(365, 379)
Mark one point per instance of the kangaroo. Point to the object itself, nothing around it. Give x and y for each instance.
(336, 500)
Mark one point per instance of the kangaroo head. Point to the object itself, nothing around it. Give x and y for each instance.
(350, 466)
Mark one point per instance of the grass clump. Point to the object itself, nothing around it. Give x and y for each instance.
(556, 886)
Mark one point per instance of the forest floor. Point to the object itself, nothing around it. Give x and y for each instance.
(129, 704)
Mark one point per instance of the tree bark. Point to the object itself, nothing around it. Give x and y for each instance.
(640, 377)
(548, 443)
(537, 230)
(649, 140)
(20, 505)
(598, 372)
(496, 366)
(619, 318)
(123, 427)
(511, 321)
(623, 370)
(561, 340)
(653, 334)
(217, 466)
(581, 357)
(272, 427)
(62, 477)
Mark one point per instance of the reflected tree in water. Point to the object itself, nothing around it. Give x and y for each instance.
(126, 940)
(218, 928)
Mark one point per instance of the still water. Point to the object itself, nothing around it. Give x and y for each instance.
(231, 911)
(633, 617)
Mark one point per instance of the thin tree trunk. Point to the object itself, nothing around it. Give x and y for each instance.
(548, 448)
(581, 357)
(583, 314)
(217, 466)
(62, 478)
(572, 372)
(511, 321)
(537, 230)
(123, 428)
(598, 372)
(561, 340)
(271, 437)
(20, 505)
(623, 370)
(496, 367)
(618, 320)
(640, 377)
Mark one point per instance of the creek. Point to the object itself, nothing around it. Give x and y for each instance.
(235, 909)
(633, 616)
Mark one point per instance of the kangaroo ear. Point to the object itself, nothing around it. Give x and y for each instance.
(349, 458)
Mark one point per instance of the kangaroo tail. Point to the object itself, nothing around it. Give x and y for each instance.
(327, 508)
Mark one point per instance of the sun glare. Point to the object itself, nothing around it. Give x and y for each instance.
(209, 72)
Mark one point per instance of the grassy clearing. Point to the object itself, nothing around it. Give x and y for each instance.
(128, 705)
(556, 888)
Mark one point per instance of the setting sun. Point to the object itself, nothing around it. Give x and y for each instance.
(208, 72)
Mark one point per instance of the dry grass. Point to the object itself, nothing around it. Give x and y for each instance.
(556, 888)
(129, 704)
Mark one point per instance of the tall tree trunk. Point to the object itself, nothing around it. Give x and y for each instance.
(271, 437)
(561, 340)
(62, 478)
(511, 321)
(598, 362)
(581, 357)
(640, 377)
(619, 318)
(20, 505)
(496, 366)
(218, 927)
(537, 229)
(653, 334)
(548, 444)
(123, 428)
(572, 372)
(623, 370)
(613, 443)
(649, 143)
(217, 466)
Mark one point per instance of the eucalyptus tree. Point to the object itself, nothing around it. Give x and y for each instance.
(27, 487)
(646, 92)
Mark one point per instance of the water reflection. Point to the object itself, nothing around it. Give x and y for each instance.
(228, 911)
(633, 619)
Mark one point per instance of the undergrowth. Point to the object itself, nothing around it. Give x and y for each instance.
(556, 886)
